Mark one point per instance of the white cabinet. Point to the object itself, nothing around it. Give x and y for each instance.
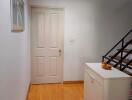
(100, 84)
(92, 86)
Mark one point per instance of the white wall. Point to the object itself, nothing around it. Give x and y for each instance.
(92, 27)
(14, 56)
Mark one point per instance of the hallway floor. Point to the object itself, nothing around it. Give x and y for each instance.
(56, 92)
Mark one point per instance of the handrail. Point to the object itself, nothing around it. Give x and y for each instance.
(118, 43)
(119, 63)
(120, 50)
(123, 58)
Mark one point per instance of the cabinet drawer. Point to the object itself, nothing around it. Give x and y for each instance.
(94, 76)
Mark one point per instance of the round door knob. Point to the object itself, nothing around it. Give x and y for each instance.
(59, 50)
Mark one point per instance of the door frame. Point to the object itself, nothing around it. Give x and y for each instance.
(62, 37)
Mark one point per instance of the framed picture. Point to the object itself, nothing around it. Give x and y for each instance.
(17, 15)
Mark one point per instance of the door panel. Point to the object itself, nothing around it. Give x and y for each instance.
(47, 45)
(53, 66)
(40, 64)
(41, 32)
(53, 32)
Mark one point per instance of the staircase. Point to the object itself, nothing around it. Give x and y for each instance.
(120, 56)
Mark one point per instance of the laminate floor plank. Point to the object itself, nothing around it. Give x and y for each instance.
(56, 92)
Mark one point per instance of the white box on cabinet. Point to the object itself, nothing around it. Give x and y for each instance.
(101, 84)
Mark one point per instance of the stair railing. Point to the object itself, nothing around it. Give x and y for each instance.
(120, 51)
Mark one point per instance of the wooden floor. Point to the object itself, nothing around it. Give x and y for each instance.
(56, 92)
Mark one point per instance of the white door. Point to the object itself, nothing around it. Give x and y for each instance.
(47, 45)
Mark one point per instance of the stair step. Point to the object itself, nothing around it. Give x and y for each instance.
(130, 43)
(127, 72)
(125, 50)
(124, 61)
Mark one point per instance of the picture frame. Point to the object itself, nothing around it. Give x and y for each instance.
(17, 15)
